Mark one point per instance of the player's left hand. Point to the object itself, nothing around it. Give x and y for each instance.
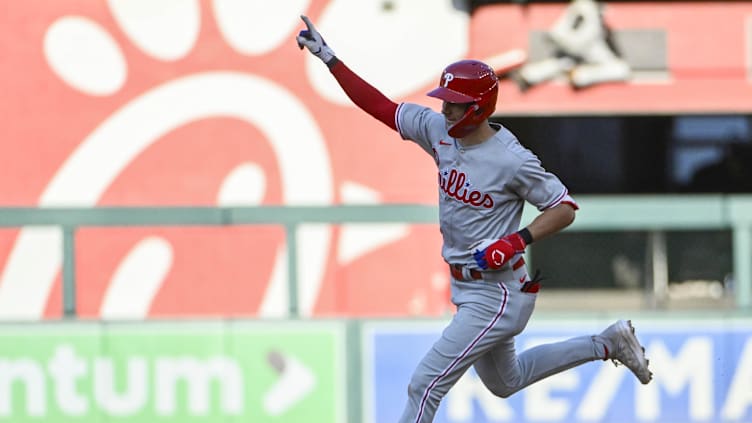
(314, 42)
(494, 254)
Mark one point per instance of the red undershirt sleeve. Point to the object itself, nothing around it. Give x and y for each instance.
(364, 95)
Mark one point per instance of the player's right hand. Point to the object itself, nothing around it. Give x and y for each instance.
(495, 254)
(314, 42)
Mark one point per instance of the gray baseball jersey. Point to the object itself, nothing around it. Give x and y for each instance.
(482, 191)
(482, 188)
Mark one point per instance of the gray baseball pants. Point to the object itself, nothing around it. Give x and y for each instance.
(481, 334)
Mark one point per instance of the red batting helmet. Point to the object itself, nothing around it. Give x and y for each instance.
(468, 81)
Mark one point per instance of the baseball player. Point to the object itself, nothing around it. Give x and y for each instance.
(485, 176)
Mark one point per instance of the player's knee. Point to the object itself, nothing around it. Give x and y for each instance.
(502, 390)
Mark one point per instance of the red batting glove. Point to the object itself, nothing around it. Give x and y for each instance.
(496, 255)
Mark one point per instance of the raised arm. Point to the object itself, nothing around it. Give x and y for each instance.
(363, 94)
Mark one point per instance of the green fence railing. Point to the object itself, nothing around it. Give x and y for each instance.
(654, 214)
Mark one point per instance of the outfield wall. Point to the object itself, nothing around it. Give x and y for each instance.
(347, 371)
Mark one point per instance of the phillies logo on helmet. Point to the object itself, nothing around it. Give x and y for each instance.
(448, 77)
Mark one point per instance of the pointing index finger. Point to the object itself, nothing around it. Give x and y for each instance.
(308, 23)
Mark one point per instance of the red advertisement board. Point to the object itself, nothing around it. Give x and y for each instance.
(210, 103)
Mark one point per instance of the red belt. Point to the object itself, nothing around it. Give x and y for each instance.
(456, 271)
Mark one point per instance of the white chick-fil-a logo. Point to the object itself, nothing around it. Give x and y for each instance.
(448, 77)
(455, 184)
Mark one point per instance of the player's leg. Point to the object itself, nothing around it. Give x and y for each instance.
(504, 372)
(474, 329)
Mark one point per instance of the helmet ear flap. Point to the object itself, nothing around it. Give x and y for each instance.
(469, 121)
